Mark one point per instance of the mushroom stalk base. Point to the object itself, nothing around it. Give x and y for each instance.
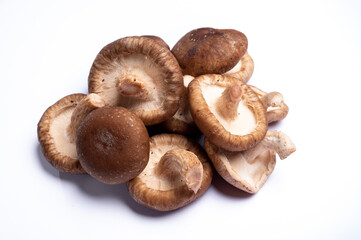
(227, 104)
(133, 87)
(179, 165)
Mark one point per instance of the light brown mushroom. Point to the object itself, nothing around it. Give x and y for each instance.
(208, 50)
(178, 173)
(182, 121)
(227, 112)
(112, 145)
(58, 127)
(277, 109)
(140, 74)
(243, 69)
(249, 170)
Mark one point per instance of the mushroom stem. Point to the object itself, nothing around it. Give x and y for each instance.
(89, 103)
(273, 100)
(132, 87)
(227, 104)
(179, 165)
(274, 141)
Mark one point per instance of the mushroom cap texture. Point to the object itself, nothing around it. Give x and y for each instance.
(113, 145)
(171, 199)
(211, 127)
(159, 40)
(258, 173)
(167, 81)
(209, 50)
(48, 142)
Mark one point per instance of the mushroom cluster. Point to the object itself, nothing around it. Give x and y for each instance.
(199, 87)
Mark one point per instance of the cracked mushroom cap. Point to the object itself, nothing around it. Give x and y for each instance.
(277, 109)
(140, 74)
(249, 170)
(227, 112)
(178, 173)
(208, 50)
(57, 130)
(182, 121)
(112, 145)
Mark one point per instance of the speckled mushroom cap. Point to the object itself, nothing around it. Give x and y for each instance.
(161, 194)
(112, 145)
(227, 112)
(53, 136)
(209, 50)
(249, 170)
(140, 74)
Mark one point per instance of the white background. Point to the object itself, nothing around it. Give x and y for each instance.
(307, 50)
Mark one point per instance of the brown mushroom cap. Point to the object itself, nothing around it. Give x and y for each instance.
(232, 124)
(139, 74)
(112, 145)
(243, 70)
(209, 50)
(158, 40)
(249, 170)
(53, 136)
(153, 191)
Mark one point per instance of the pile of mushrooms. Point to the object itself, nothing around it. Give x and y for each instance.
(197, 87)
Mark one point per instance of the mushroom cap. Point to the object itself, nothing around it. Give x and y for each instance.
(147, 61)
(209, 50)
(237, 171)
(151, 191)
(53, 136)
(243, 70)
(159, 40)
(245, 131)
(112, 145)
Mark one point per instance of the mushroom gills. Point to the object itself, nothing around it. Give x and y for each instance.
(253, 166)
(61, 138)
(242, 124)
(254, 173)
(137, 68)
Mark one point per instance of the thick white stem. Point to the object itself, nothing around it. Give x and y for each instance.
(227, 104)
(179, 165)
(132, 86)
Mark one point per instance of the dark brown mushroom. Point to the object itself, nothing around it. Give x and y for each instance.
(209, 50)
(112, 145)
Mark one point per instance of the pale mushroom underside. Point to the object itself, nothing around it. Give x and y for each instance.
(140, 68)
(245, 121)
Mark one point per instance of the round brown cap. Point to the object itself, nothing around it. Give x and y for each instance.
(209, 50)
(112, 145)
